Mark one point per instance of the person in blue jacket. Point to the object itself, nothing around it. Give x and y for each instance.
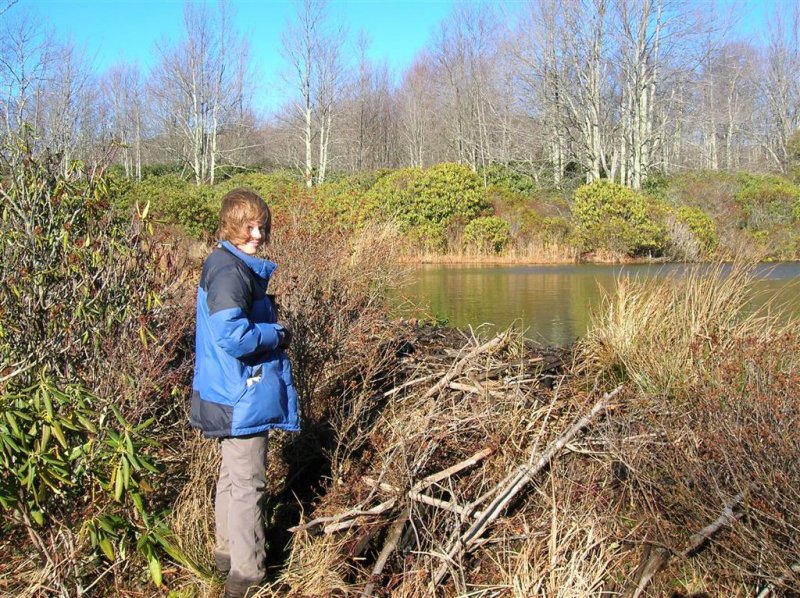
(242, 382)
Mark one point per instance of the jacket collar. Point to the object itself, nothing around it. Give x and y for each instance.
(261, 268)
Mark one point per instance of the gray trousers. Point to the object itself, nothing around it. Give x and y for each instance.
(241, 490)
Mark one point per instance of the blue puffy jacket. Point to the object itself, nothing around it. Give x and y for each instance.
(242, 379)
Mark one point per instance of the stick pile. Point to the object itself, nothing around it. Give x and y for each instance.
(464, 435)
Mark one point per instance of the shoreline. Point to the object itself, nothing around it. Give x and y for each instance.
(522, 261)
(596, 259)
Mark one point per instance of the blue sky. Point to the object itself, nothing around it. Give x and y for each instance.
(115, 30)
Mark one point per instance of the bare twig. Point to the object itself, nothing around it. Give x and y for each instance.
(654, 560)
(353, 513)
(496, 342)
(453, 469)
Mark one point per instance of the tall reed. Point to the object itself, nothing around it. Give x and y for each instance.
(657, 332)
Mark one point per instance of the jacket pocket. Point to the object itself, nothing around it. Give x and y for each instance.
(265, 400)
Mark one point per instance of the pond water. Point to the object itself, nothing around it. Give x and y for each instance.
(552, 304)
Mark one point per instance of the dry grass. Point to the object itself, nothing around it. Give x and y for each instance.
(657, 332)
(533, 252)
(716, 387)
(494, 402)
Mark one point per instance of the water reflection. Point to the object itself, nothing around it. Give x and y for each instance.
(551, 303)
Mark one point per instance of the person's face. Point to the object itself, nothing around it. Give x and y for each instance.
(256, 239)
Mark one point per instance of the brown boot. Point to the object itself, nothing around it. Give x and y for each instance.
(240, 588)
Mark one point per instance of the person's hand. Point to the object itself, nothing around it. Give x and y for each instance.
(286, 336)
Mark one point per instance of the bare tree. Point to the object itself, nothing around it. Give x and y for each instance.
(26, 61)
(122, 89)
(313, 48)
(781, 86)
(198, 87)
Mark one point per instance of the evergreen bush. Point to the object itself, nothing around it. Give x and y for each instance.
(505, 177)
(80, 308)
(615, 218)
(437, 195)
(700, 224)
(175, 201)
(488, 234)
(768, 200)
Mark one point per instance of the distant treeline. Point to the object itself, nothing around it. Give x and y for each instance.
(501, 212)
(598, 89)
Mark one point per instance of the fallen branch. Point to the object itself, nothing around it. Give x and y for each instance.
(353, 513)
(769, 590)
(444, 504)
(397, 389)
(726, 518)
(654, 561)
(452, 470)
(474, 389)
(395, 532)
(465, 542)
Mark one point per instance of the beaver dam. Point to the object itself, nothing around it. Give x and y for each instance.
(646, 461)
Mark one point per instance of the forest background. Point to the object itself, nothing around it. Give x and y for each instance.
(475, 149)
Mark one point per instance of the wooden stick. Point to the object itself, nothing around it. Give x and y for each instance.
(456, 370)
(377, 510)
(397, 389)
(770, 588)
(373, 483)
(654, 561)
(395, 532)
(447, 505)
(726, 518)
(453, 469)
(475, 390)
(504, 496)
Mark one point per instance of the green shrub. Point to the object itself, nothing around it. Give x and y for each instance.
(609, 216)
(439, 195)
(487, 234)
(175, 201)
(656, 185)
(701, 225)
(507, 178)
(555, 229)
(79, 300)
(429, 236)
(768, 201)
(279, 189)
(159, 170)
(428, 203)
(345, 197)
